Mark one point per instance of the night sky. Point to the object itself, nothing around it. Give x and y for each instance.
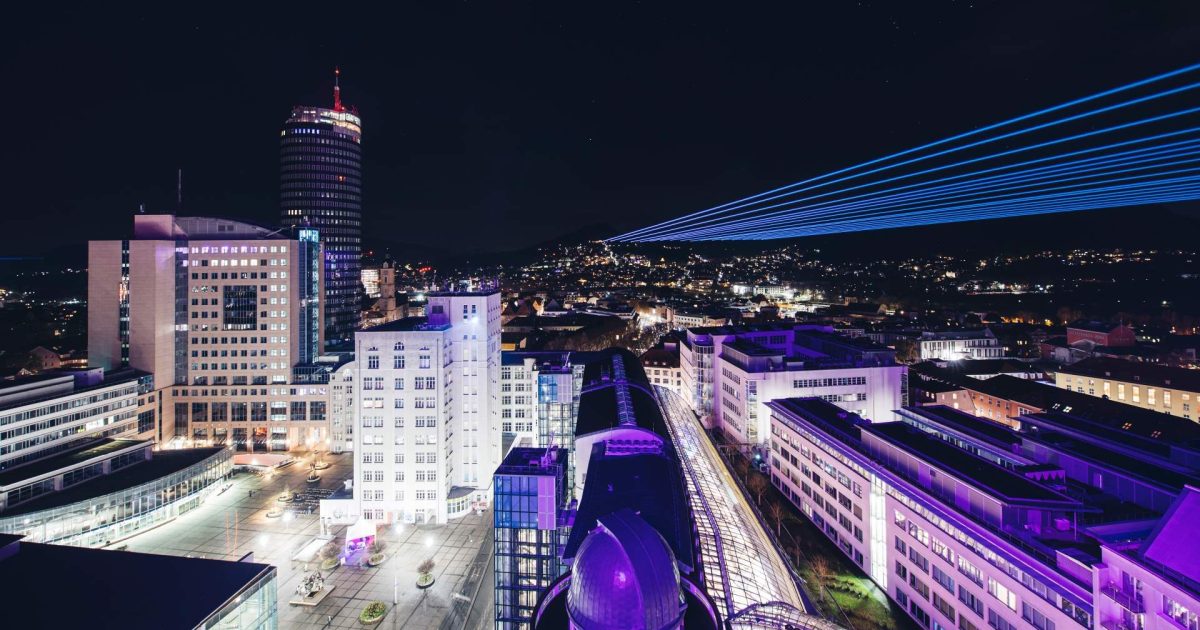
(491, 127)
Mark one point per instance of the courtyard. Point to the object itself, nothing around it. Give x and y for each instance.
(235, 522)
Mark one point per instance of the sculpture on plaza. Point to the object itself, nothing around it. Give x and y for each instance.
(310, 584)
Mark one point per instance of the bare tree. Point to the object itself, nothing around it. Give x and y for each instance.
(820, 568)
(777, 512)
(758, 485)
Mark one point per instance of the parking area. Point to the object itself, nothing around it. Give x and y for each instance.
(236, 522)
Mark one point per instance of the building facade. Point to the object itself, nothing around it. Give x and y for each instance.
(1171, 390)
(320, 187)
(428, 435)
(966, 523)
(61, 411)
(953, 345)
(227, 317)
(530, 521)
(731, 373)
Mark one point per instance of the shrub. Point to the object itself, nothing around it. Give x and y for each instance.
(330, 551)
(426, 567)
(373, 611)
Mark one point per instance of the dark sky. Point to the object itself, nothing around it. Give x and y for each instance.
(492, 126)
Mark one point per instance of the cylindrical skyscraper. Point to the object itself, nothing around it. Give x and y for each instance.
(321, 187)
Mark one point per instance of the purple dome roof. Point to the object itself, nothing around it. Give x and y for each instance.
(624, 578)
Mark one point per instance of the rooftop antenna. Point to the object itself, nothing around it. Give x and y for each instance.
(337, 91)
(179, 191)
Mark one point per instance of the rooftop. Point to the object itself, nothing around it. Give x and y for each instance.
(91, 449)
(163, 463)
(968, 424)
(29, 390)
(406, 324)
(999, 482)
(1137, 372)
(100, 583)
(1094, 326)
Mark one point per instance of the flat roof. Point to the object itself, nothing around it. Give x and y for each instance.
(1147, 374)
(748, 347)
(966, 423)
(970, 469)
(406, 324)
(1108, 457)
(70, 587)
(90, 450)
(827, 416)
(163, 463)
(110, 379)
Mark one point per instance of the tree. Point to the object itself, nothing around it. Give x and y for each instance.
(820, 568)
(426, 567)
(777, 513)
(758, 485)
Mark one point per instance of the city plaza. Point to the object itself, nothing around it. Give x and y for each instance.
(233, 523)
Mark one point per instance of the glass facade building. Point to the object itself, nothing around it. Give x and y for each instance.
(155, 491)
(529, 502)
(321, 189)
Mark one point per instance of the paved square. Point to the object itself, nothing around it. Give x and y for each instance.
(234, 523)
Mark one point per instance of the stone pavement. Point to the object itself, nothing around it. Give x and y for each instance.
(234, 523)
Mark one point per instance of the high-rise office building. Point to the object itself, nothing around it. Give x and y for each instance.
(227, 317)
(429, 435)
(320, 187)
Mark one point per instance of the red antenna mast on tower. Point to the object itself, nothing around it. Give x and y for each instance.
(337, 91)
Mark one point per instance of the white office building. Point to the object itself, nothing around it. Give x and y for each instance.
(952, 345)
(428, 431)
(730, 373)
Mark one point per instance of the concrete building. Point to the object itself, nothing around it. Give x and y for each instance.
(952, 345)
(939, 542)
(57, 412)
(428, 435)
(342, 414)
(662, 365)
(1171, 390)
(227, 317)
(964, 522)
(730, 373)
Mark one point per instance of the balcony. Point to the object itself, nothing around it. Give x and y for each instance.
(1125, 600)
(1116, 624)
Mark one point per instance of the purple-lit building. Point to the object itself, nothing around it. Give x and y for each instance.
(530, 497)
(970, 524)
(658, 540)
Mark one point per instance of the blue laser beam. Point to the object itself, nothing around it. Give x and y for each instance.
(1123, 162)
(728, 206)
(1040, 145)
(1018, 119)
(994, 209)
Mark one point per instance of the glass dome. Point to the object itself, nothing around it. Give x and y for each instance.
(624, 578)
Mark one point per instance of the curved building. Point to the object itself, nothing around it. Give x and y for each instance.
(320, 187)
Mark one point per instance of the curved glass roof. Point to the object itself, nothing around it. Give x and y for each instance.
(745, 575)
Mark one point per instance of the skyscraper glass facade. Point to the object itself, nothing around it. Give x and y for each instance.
(321, 188)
